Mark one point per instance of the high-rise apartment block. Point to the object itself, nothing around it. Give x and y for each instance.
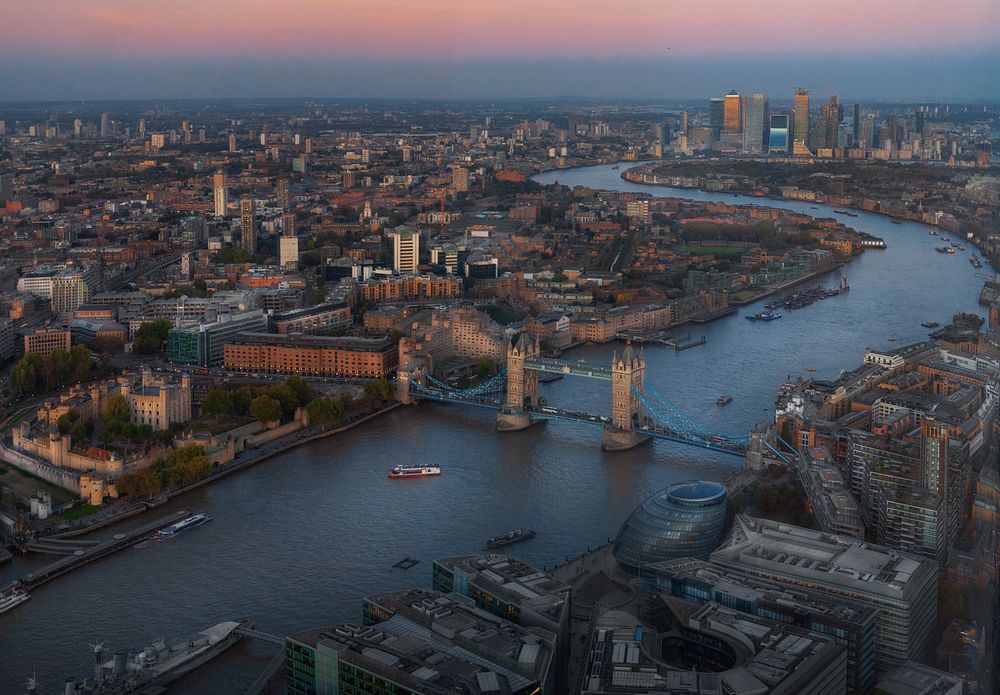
(248, 225)
(220, 189)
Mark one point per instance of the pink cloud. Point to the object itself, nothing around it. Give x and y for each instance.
(487, 28)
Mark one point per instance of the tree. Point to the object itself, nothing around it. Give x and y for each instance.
(26, 375)
(117, 408)
(380, 390)
(265, 409)
(485, 367)
(150, 336)
(286, 397)
(80, 432)
(301, 388)
(217, 402)
(323, 410)
(142, 483)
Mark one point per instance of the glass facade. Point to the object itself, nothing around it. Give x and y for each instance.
(685, 520)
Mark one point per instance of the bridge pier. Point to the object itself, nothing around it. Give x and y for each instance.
(513, 420)
(615, 439)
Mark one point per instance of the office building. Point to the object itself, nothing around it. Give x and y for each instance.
(203, 344)
(105, 125)
(44, 341)
(778, 141)
(422, 643)
(902, 588)
(322, 319)
(755, 124)
(512, 590)
(913, 678)
(732, 113)
(405, 249)
(311, 355)
(220, 188)
(708, 650)
(716, 117)
(700, 583)
(684, 520)
(248, 225)
(800, 126)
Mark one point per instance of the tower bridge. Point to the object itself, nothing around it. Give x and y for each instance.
(638, 411)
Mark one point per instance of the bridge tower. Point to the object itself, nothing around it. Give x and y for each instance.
(627, 376)
(522, 385)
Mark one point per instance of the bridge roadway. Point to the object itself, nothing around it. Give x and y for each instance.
(719, 444)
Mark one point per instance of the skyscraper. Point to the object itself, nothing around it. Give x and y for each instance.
(856, 125)
(716, 110)
(232, 143)
(248, 226)
(220, 188)
(684, 122)
(105, 125)
(755, 124)
(800, 127)
(832, 115)
(731, 113)
(778, 141)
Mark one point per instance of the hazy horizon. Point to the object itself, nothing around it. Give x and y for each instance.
(640, 49)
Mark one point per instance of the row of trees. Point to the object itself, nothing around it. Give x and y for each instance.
(179, 466)
(265, 403)
(271, 403)
(34, 374)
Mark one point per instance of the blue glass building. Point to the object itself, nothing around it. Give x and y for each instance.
(684, 520)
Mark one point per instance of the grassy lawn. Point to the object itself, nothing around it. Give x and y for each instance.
(712, 250)
(77, 512)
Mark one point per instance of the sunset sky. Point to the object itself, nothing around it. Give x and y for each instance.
(504, 48)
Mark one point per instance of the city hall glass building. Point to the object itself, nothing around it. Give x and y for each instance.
(684, 520)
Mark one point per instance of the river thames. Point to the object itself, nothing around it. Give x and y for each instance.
(297, 541)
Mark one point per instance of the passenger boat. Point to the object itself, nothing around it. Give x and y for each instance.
(723, 399)
(943, 249)
(15, 597)
(949, 250)
(182, 526)
(509, 538)
(810, 369)
(414, 471)
(944, 238)
(933, 232)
